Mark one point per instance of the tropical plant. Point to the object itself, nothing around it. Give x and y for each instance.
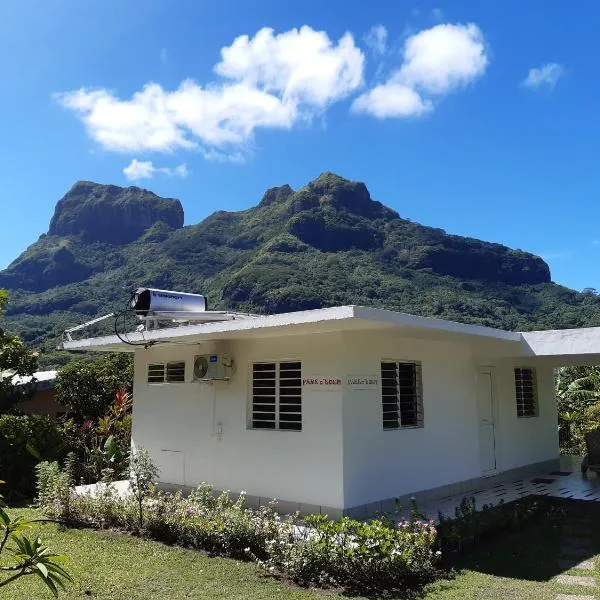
(27, 556)
(577, 393)
(16, 360)
(143, 472)
(88, 388)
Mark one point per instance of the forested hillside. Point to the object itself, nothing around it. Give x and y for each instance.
(326, 244)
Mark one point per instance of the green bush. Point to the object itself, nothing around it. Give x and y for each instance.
(24, 440)
(88, 388)
(374, 557)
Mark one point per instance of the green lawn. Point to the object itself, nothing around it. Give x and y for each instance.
(117, 566)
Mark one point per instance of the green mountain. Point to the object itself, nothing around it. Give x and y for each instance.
(328, 243)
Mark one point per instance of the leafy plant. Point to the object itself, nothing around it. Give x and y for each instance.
(25, 440)
(143, 472)
(27, 556)
(15, 360)
(89, 388)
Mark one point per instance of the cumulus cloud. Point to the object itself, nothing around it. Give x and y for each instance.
(435, 62)
(376, 39)
(265, 81)
(392, 100)
(145, 169)
(547, 75)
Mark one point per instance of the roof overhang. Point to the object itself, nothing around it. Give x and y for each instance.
(337, 319)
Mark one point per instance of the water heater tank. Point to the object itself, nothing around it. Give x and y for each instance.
(164, 303)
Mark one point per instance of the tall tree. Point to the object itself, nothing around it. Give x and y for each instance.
(16, 360)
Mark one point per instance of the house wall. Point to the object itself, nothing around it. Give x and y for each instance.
(342, 458)
(384, 464)
(198, 432)
(523, 441)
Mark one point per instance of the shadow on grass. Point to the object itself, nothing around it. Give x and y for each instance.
(536, 553)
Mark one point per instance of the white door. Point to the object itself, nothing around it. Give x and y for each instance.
(487, 438)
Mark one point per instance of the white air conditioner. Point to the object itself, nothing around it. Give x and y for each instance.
(212, 367)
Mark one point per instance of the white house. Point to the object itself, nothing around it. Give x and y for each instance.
(342, 410)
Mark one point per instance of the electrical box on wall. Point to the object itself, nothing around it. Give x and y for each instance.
(212, 367)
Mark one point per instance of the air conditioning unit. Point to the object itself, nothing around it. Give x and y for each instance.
(212, 367)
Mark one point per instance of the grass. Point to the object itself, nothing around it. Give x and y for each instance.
(110, 565)
(116, 566)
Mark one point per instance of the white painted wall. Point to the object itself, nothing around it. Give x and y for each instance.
(343, 457)
(178, 423)
(382, 464)
(523, 441)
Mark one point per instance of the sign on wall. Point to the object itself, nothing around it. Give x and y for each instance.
(322, 383)
(362, 382)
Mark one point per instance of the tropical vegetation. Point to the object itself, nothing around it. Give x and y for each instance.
(325, 244)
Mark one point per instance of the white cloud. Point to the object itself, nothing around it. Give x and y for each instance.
(145, 169)
(298, 65)
(391, 100)
(547, 75)
(164, 56)
(442, 58)
(436, 61)
(224, 157)
(267, 81)
(376, 39)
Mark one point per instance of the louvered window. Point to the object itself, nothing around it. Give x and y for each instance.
(401, 394)
(156, 373)
(172, 372)
(277, 395)
(526, 392)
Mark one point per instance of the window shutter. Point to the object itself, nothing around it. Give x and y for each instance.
(526, 392)
(401, 394)
(277, 395)
(175, 372)
(156, 373)
(264, 397)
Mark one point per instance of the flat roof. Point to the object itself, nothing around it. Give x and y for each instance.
(339, 318)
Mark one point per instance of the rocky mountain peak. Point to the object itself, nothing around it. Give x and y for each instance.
(109, 213)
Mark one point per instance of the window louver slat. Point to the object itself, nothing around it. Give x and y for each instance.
(277, 395)
(401, 395)
(526, 392)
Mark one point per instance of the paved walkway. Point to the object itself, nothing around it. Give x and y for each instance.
(568, 482)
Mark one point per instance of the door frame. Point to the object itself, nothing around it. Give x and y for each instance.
(495, 413)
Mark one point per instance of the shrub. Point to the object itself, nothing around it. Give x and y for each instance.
(363, 557)
(25, 439)
(88, 388)
(367, 557)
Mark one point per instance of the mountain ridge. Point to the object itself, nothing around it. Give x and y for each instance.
(326, 243)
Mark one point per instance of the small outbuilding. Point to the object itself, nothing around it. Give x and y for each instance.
(343, 410)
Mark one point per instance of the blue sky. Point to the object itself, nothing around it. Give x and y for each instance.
(477, 117)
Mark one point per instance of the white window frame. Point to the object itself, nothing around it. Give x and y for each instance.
(419, 393)
(250, 387)
(165, 369)
(536, 403)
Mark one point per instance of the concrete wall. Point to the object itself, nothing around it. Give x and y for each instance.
(382, 464)
(198, 432)
(342, 458)
(523, 441)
